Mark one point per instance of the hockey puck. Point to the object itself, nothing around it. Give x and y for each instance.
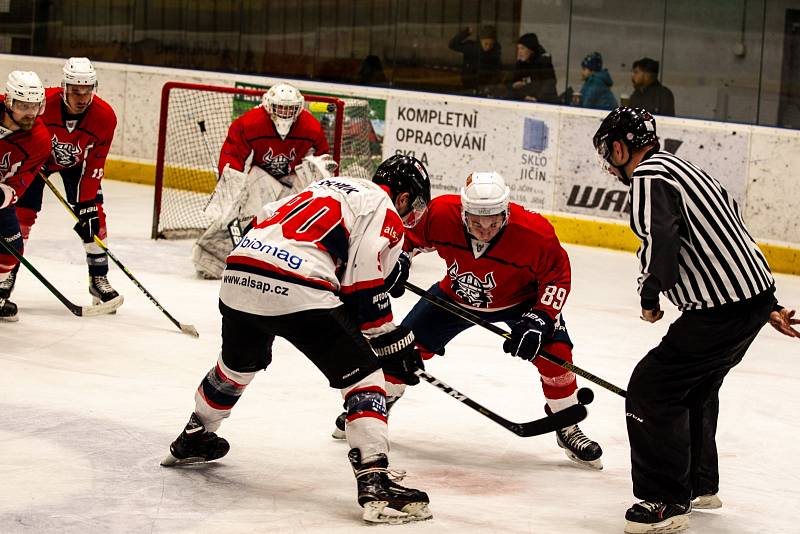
(585, 396)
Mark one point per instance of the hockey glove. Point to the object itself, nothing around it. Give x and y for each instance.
(397, 278)
(398, 354)
(527, 335)
(88, 224)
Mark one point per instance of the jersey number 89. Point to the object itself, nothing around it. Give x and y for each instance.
(553, 296)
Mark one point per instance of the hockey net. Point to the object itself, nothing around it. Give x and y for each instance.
(194, 123)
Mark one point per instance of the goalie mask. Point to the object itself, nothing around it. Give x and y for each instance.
(284, 103)
(24, 93)
(405, 174)
(485, 194)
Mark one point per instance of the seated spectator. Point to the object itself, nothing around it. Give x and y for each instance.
(596, 90)
(534, 78)
(371, 72)
(648, 92)
(482, 66)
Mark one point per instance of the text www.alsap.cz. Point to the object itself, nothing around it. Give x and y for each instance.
(258, 285)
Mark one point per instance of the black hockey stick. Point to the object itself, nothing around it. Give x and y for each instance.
(570, 416)
(80, 311)
(474, 319)
(185, 328)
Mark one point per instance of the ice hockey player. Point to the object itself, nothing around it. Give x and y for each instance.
(504, 264)
(24, 147)
(319, 258)
(81, 127)
(257, 166)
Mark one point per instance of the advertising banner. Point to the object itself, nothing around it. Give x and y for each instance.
(582, 188)
(455, 138)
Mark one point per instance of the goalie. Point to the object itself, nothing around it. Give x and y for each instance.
(258, 164)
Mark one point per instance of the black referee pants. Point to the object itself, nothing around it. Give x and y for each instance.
(673, 403)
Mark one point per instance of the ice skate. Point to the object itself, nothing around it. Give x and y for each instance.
(195, 445)
(8, 310)
(577, 446)
(102, 292)
(382, 499)
(648, 517)
(707, 502)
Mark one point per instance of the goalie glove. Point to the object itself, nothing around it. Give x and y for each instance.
(398, 354)
(314, 168)
(527, 335)
(88, 224)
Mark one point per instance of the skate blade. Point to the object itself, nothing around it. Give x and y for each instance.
(591, 464)
(108, 307)
(338, 434)
(14, 319)
(707, 502)
(673, 524)
(171, 461)
(380, 512)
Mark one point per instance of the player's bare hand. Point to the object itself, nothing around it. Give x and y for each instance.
(651, 316)
(783, 320)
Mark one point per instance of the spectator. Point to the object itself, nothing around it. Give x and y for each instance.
(596, 90)
(648, 92)
(482, 66)
(534, 78)
(371, 72)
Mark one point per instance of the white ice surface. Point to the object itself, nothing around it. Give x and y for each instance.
(88, 406)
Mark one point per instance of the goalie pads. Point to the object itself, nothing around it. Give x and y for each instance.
(230, 184)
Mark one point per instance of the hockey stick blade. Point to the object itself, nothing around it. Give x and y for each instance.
(570, 416)
(188, 329)
(99, 309)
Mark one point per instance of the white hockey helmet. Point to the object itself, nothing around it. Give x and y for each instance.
(484, 193)
(284, 103)
(79, 71)
(24, 86)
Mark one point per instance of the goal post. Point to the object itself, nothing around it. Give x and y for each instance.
(193, 124)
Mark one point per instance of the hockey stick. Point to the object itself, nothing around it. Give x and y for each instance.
(569, 416)
(185, 328)
(80, 311)
(202, 125)
(474, 319)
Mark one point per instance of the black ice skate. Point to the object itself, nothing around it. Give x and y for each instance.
(657, 517)
(195, 445)
(383, 500)
(8, 310)
(102, 292)
(577, 446)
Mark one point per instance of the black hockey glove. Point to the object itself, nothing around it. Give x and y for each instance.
(394, 282)
(88, 224)
(398, 354)
(527, 335)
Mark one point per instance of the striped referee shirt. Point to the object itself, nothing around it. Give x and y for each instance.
(695, 246)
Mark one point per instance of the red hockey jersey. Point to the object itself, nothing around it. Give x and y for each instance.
(255, 133)
(524, 262)
(22, 153)
(79, 140)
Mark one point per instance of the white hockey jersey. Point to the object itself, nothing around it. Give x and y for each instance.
(331, 244)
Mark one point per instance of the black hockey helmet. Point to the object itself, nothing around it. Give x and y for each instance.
(635, 127)
(405, 174)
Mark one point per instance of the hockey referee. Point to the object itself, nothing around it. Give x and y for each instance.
(696, 250)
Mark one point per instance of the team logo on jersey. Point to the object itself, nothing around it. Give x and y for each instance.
(278, 165)
(470, 288)
(6, 169)
(65, 154)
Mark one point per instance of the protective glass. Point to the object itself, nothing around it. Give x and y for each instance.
(604, 159)
(27, 108)
(414, 214)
